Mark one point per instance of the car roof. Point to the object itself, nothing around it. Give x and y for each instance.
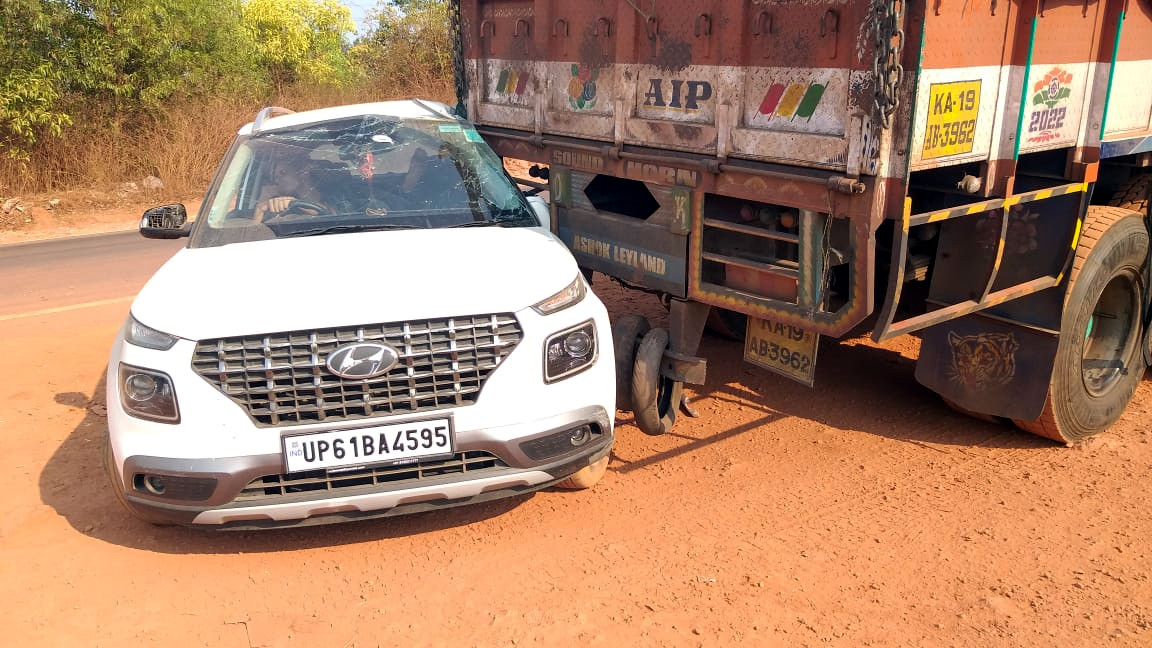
(404, 109)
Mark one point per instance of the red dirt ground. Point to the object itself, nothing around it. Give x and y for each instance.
(862, 512)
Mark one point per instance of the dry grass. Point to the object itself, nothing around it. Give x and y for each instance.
(182, 146)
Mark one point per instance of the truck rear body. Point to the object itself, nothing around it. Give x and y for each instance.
(801, 161)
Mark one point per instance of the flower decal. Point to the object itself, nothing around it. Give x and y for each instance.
(1049, 112)
(582, 87)
(1053, 88)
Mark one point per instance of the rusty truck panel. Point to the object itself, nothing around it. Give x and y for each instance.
(770, 81)
(772, 115)
(771, 100)
(985, 62)
(792, 82)
(1062, 88)
(963, 88)
(794, 161)
(999, 80)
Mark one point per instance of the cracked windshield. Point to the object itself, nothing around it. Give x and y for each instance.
(357, 174)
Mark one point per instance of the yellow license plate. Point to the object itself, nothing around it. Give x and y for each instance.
(784, 349)
(953, 109)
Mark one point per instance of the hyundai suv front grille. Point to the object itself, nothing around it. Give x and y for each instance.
(283, 378)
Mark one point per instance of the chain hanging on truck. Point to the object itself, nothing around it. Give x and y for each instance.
(456, 27)
(886, 68)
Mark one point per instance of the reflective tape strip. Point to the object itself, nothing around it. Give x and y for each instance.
(997, 203)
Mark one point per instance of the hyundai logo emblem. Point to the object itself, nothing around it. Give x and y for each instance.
(362, 360)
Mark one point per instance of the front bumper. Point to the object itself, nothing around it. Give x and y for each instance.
(219, 482)
(224, 471)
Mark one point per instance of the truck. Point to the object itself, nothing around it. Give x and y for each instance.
(974, 172)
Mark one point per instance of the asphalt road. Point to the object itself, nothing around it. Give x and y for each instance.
(70, 273)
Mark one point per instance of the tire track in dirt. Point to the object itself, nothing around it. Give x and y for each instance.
(940, 489)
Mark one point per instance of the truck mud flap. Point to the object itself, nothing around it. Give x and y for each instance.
(989, 365)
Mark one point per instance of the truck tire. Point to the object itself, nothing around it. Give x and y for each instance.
(586, 477)
(655, 398)
(1101, 318)
(1134, 194)
(627, 331)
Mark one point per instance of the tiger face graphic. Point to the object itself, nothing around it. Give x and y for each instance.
(984, 360)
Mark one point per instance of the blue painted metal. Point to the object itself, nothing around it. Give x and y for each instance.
(1142, 144)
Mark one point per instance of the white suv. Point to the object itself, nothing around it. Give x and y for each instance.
(369, 319)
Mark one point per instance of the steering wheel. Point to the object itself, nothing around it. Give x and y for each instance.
(303, 206)
(298, 208)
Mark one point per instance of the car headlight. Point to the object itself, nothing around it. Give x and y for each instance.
(572, 294)
(148, 394)
(570, 351)
(147, 337)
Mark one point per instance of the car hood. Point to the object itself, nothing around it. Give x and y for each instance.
(347, 279)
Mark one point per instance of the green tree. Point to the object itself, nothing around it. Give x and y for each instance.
(408, 45)
(112, 56)
(141, 53)
(31, 75)
(300, 40)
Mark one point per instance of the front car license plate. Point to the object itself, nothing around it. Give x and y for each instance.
(787, 350)
(392, 443)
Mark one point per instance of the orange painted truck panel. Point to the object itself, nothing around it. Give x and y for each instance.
(792, 82)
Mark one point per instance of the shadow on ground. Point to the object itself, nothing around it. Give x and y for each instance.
(859, 387)
(74, 483)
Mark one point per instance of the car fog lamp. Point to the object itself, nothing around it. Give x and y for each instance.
(154, 484)
(580, 436)
(140, 387)
(570, 351)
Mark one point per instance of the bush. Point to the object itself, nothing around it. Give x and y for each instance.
(94, 93)
(409, 46)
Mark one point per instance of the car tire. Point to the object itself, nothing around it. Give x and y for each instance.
(655, 398)
(627, 332)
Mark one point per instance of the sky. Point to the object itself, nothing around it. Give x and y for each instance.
(359, 8)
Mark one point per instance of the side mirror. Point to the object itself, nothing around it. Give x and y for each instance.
(165, 222)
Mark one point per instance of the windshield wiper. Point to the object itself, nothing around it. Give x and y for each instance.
(483, 223)
(505, 217)
(343, 229)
